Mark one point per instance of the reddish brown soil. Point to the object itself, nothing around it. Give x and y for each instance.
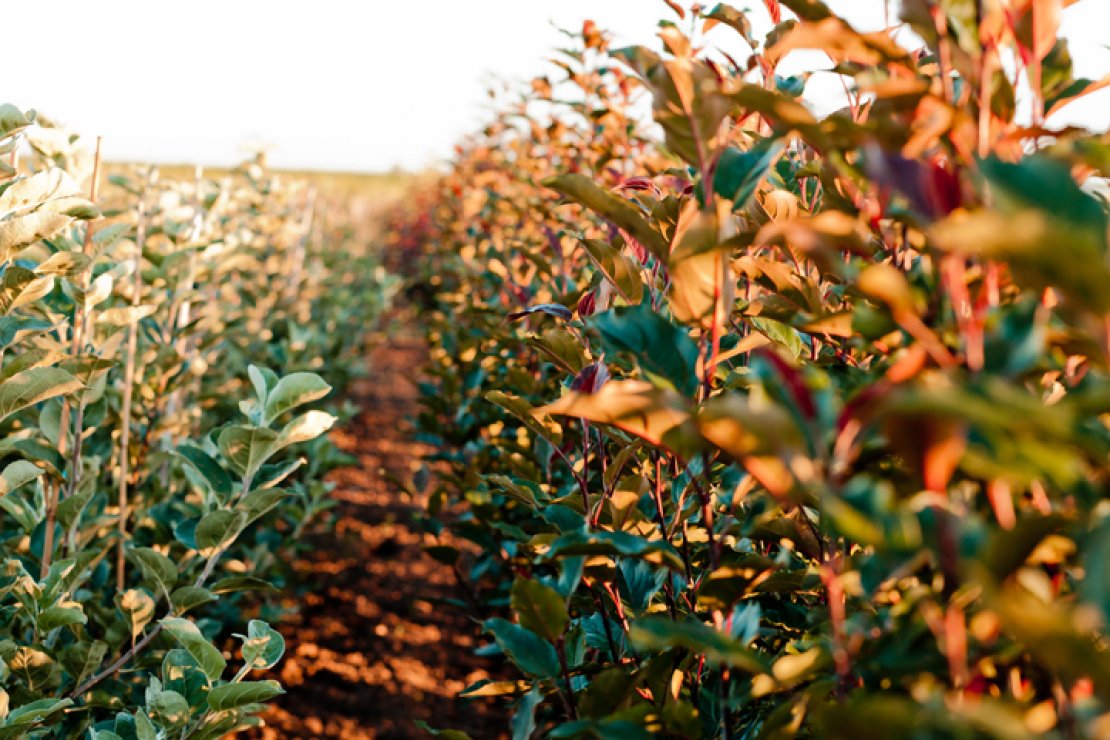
(373, 647)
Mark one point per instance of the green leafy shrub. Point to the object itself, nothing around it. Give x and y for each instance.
(151, 482)
(782, 425)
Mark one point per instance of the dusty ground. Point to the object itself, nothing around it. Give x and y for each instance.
(373, 647)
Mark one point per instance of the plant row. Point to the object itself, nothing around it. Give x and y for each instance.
(162, 344)
(763, 424)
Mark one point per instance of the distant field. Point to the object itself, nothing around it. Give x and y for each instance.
(345, 184)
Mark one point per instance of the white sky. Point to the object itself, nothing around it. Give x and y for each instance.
(332, 84)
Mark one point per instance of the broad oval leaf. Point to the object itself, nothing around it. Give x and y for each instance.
(246, 448)
(525, 648)
(197, 645)
(218, 529)
(292, 391)
(232, 695)
(16, 474)
(539, 608)
(263, 646)
(33, 386)
(156, 567)
(307, 426)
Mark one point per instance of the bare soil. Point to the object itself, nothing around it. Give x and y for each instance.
(373, 647)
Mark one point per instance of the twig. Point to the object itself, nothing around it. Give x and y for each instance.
(572, 706)
(119, 663)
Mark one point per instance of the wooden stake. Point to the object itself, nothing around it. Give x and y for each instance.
(81, 322)
(128, 389)
(54, 492)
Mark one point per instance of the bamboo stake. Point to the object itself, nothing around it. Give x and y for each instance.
(52, 492)
(75, 337)
(80, 331)
(184, 312)
(128, 388)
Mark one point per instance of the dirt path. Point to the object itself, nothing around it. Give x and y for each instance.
(373, 647)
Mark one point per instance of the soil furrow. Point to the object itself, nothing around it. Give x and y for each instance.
(373, 647)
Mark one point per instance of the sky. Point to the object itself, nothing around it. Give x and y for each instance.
(356, 85)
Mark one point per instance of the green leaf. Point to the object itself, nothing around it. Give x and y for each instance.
(64, 264)
(233, 584)
(603, 729)
(522, 410)
(16, 474)
(190, 597)
(739, 173)
(661, 348)
(616, 544)
(156, 567)
(1046, 184)
(138, 606)
(1050, 232)
(658, 633)
(562, 348)
(106, 236)
(523, 723)
(14, 329)
(39, 206)
(262, 500)
(170, 707)
(539, 608)
(13, 120)
(144, 728)
(606, 690)
(33, 386)
(525, 648)
(737, 20)
(292, 391)
(212, 472)
(271, 474)
(82, 659)
(218, 529)
(1095, 587)
(18, 281)
(782, 334)
(1008, 549)
(246, 448)
(306, 427)
(181, 673)
(197, 645)
(261, 382)
(35, 712)
(550, 309)
(57, 615)
(622, 213)
(231, 695)
(263, 646)
(620, 269)
(33, 667)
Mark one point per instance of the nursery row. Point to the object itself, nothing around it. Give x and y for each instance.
(167, 348)
(765, 424)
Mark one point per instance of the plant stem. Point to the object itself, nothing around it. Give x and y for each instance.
(572, 706)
